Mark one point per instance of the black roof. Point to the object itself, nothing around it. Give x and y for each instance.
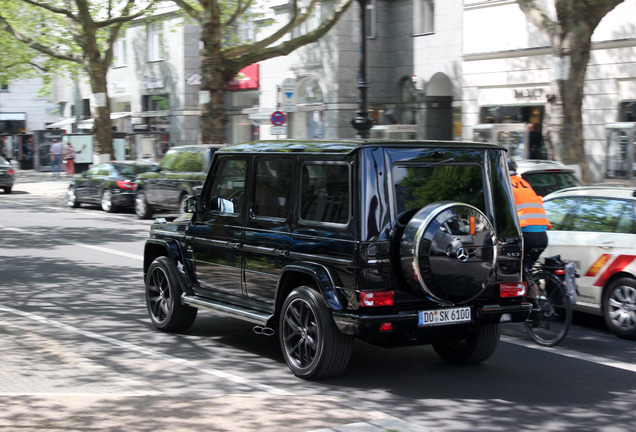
(341, 146)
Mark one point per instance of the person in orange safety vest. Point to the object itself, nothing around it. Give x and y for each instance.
(533, 219)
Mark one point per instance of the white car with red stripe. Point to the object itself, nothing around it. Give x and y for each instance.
(595, 228)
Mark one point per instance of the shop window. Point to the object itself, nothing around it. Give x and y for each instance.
(155, 41)
(424, 17)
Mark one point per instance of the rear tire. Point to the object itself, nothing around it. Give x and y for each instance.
(142, 208)
(312, 345)
(163, 298)
(107, 201)
(619, 307)
(7, 190)
(475, 348)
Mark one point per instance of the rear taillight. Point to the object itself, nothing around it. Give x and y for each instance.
(125, 184)
(376, 298)
(517, 289)
(11, 172)
(560, 272)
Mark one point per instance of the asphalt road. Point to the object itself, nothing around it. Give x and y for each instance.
(79, 353)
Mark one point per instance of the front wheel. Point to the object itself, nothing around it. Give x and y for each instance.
(619, 307)
(7, 190)
(163, 298)
(475, 348)
(312, 344)
(549, 324)
(71, 198)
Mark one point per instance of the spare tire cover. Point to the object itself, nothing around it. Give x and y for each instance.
(447, 252)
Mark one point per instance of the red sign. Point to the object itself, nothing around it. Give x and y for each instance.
(246, 79)
(278, 118)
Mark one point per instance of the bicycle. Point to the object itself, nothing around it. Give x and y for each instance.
(550, 320)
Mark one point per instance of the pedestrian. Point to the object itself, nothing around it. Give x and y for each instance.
(69, 157)
(534, 142)
(56, 157)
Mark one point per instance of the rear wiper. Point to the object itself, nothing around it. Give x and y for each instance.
(438, 162)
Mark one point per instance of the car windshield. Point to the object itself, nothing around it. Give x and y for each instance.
(417, 186)
(544, 183)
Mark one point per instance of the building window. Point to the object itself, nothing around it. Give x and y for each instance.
(155, 41)
(407, 102)
(372, 19)
(156, 102)
(311, 23)
(119, 52)
(4, 86)
(424, 17)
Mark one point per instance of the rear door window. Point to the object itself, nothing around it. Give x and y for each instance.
(325, 193)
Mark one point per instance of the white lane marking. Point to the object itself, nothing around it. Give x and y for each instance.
(87, 246)
(574, 354)
(142, 350)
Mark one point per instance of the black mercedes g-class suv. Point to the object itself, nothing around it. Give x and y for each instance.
(395, 243)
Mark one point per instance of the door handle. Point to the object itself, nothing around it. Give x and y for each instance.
(281, 252)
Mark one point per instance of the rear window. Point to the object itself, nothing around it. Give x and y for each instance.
(547, 182)
(417, 186)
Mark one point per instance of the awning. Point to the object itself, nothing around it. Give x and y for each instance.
(65, 122)
(88, 123)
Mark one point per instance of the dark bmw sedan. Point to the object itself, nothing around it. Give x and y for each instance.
(109, 185)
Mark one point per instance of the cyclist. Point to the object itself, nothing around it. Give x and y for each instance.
(532, 219)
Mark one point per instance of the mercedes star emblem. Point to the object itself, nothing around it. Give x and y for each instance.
(462, 255)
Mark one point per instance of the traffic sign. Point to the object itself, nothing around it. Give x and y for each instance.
(289, 95)
(278, 130)
(278, 118)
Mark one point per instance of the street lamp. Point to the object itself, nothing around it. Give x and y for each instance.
(361, 122)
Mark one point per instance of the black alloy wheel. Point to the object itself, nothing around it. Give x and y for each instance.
(163, 298)
(312, 344)
(71, 197)
(143, 210)
(107, 201)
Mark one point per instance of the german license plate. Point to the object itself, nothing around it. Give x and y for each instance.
(445, 316)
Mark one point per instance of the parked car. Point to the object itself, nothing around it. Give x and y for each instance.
(181, 170)
(595, 228)
(395, 243)
(109, 185)
(546, 176)
(7, 175)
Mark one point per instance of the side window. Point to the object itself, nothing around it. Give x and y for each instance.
(325, 193)
(189, 161)
(226, 195)
(558, 210)
(168, 161)
(272, 187)
(599, 215)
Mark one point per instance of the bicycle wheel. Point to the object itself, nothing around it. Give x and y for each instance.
(549, 325)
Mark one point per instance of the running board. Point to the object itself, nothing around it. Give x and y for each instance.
(235, 311)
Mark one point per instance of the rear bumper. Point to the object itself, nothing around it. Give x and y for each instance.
(406, 331)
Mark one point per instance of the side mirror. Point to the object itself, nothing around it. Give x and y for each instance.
(191, 205)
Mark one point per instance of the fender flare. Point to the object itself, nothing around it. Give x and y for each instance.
(325, 280)
(172, 249)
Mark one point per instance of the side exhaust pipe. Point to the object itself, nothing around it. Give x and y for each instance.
(266, 331)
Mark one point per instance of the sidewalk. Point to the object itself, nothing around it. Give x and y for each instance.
(40, 183)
